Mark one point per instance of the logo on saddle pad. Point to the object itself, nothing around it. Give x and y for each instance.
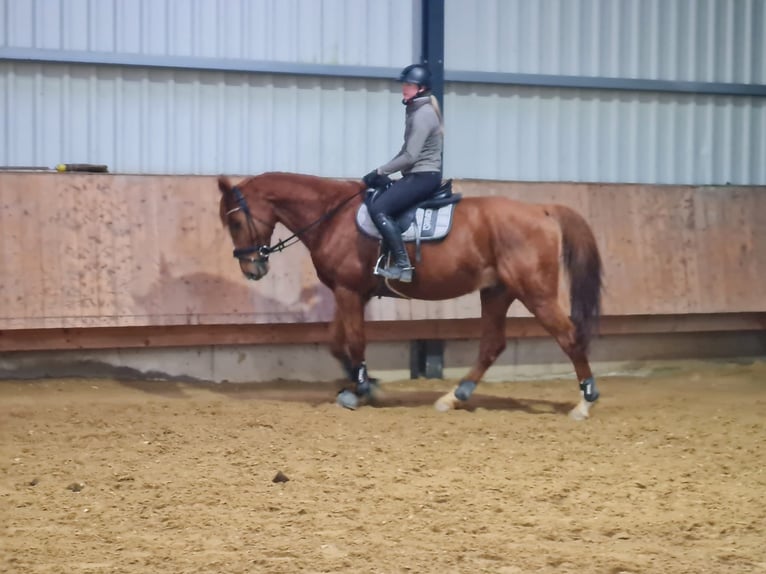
(421, 224)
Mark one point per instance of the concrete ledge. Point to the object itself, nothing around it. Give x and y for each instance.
(377, 331)
(523, 358)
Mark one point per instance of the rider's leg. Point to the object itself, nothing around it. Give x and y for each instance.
(404, 193)
(401, 268)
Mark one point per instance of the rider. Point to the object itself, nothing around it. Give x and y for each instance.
(419, 161)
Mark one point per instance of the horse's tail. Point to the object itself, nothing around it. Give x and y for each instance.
(583, 263)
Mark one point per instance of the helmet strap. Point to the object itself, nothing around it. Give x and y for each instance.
(422, 91)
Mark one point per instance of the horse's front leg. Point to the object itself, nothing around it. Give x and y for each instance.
(494, 306)
(349, 344)
(338, 347)
(339, 350)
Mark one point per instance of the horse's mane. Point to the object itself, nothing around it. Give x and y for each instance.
(328, 187)
(309, 194)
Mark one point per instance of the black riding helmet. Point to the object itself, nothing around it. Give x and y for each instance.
(416, 74)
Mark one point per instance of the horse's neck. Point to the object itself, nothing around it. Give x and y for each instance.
(303, 209)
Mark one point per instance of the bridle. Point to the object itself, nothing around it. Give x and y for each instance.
(245, 254)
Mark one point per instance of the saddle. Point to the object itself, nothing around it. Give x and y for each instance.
(429, 220)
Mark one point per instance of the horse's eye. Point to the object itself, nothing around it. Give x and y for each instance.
(235, 226)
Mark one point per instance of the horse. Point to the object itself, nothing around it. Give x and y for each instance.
(506, 250)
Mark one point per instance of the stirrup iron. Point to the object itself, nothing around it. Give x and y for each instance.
(392, 271)
(379, 265)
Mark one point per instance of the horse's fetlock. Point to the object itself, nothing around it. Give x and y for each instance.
(362, 380)
(589, 391)
(464, 390)
(359, 373)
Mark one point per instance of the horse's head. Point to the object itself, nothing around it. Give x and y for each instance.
(250, 222)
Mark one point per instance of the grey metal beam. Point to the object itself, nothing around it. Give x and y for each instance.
(604, 83)
(40, 56)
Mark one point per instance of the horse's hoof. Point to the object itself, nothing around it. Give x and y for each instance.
(581, 412)
(445, 403)
(347, 400)
(577, 415)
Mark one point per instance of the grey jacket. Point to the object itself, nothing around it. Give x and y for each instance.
(423, 140)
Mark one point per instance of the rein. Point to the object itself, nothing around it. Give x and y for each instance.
(263, 250)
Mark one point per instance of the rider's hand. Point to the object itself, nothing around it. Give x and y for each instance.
(373, 179)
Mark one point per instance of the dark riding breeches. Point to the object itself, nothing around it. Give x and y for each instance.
(404, 193)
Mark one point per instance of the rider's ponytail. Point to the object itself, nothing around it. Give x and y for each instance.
(438, 110)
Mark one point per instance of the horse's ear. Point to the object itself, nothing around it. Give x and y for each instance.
(224, 184)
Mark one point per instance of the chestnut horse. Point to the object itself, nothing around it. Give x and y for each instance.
(504, 249)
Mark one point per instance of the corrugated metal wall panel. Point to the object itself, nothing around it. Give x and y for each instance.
(543, 134)
(692, 40)
(351, 32)
(206, 122)
(162, 121)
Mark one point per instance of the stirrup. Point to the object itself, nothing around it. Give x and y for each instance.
(393, 272)
(403, 274)
(379, 264)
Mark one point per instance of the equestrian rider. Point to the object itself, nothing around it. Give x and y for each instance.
(419, 161)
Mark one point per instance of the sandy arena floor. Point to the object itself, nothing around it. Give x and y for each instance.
(101, 476)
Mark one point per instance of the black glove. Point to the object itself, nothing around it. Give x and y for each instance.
(375, 180)
(371, 179)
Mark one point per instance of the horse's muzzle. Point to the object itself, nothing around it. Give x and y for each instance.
(254, 270)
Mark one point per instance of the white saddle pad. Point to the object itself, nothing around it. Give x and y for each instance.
(433, 223)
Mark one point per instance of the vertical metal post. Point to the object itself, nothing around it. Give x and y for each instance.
(427, 356)
(427, 359)
(432, 44)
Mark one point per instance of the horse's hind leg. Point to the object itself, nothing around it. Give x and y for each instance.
(494, 306)
(552, 317)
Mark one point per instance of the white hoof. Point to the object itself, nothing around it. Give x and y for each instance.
(446, 403)
(582, 411)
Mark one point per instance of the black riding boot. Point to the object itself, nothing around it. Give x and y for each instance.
(401, 268)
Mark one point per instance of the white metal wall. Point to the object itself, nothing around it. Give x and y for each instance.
(692, 40)
(351, 32)
(164, 121)
(189, 122)
(609, 136)
(544, 134)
